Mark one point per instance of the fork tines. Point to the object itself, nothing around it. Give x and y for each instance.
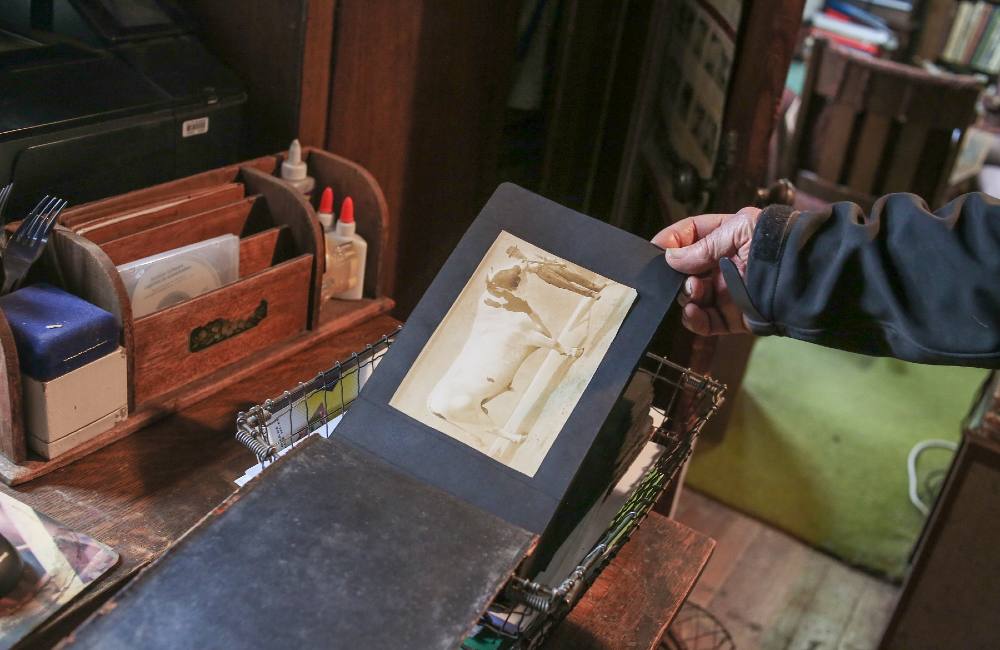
(4, 195)
(28, 242)
(40, 221)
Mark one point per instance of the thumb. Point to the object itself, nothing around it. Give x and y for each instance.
(696, 259)
(703, 256)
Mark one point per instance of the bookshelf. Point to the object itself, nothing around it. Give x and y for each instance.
(884, 28)
(933, 18)
(972, 41)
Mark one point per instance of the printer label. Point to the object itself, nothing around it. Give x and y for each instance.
(196, 126)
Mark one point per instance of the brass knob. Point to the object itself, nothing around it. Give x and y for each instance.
(779, 192)
(687, 184)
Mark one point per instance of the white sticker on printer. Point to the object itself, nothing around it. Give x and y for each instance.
(196, 126)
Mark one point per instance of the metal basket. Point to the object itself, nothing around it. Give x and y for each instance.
(315, 406)
(525, 611)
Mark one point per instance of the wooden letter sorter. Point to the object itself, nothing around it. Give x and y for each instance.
(189, 351)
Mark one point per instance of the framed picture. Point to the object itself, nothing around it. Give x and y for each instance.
(513, 355)
(498, 385)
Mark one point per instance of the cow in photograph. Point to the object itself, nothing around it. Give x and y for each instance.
(504, 333)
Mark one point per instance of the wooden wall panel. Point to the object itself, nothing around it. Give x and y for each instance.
(601, 45)
(417, 98)
(317, 68)
(282, 52)
(758, 81)
(371, 107)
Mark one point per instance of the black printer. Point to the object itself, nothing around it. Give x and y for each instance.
(99, 97)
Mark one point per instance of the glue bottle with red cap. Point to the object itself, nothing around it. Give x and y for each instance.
(339, 256)
(345, 254)
(325, 211)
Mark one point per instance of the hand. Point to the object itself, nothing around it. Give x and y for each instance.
(694, 246)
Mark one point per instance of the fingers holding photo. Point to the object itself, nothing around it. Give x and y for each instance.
(708, 309)
(712, 321)
(688, 231)
(697, 289)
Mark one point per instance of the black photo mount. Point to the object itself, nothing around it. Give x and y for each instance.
(550, 502)
(384, 534)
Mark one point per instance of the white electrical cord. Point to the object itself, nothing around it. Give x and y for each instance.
(911, 469)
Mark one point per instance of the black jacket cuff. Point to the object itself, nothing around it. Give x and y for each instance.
(764, 264)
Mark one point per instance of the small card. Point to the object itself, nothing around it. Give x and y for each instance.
(58, 563)
(497, 387)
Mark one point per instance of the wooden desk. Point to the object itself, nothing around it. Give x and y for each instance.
(638, 595)
(142, 493)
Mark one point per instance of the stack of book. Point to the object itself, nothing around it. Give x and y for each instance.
(850, 25)
(974, 39)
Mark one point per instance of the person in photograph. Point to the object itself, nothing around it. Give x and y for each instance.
(712, 55)
(698, 37)
(697, 118)
(707, 137)
(684, 105)
(557, 273)
(722, 71)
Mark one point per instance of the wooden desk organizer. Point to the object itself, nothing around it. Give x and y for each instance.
(187, 352)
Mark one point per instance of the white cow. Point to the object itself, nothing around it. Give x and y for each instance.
(505, 331)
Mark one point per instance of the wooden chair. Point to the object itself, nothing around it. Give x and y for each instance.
(867, 127)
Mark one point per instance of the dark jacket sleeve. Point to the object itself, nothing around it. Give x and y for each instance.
(901, 281)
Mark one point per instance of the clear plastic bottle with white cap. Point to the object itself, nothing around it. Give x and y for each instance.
(294, 171)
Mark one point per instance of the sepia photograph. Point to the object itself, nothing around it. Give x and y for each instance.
(508, 363)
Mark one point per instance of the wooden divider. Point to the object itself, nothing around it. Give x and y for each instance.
(230, 219)
(13, 441)
(84, 270)
(189, 351)
(291, 208)
(261, 250)
(179, 344)
(348, 178)
(75, 216)
(117, 225)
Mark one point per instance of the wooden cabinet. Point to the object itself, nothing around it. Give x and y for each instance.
(414, 91)
(283, 53)
(417, 92)
(705, 106)
(657, 182)
(418, 96)
(949, 598)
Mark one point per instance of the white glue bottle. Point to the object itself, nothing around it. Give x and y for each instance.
(293, 170)
(339, 257)
(347, 262)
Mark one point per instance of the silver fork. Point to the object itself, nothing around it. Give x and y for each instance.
(4, 195)
(29, 240)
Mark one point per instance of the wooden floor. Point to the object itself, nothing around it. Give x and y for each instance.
(772, 591)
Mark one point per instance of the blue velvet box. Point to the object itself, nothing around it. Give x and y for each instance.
(56, 332)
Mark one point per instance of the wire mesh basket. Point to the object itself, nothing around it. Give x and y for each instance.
(313, 407)
(525, 611)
